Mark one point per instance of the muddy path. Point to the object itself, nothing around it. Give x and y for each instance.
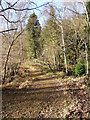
(44, 97)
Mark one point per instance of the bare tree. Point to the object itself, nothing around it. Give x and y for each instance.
(8, 53)
(64, 47)
(13, 14)
(63, 41)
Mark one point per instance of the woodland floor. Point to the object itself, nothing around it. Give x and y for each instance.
(35, 94)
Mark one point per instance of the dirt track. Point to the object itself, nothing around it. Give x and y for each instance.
(46, 97)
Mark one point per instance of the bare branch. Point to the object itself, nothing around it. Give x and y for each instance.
(23, 9)
(73, 11)
(8, 30)
(86, 12)
(9, 7)
(8, 19)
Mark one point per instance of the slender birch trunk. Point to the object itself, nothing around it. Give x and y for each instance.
(87, 58)
(88, 25)
(20, 46)
(0, 60)
(54, 61)
(86, 12)
(61, 25)
(65, 60)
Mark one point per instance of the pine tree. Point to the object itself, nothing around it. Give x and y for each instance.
(33, 33)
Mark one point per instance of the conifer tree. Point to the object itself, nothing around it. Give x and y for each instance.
(33, 33)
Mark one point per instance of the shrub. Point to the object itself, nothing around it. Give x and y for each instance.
(80, 68)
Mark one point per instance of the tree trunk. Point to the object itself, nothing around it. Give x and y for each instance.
(64, 48)
(88, 25)
(86, 13)
(21, 47)
(0, 76)
(59, 60)
(54, 62)
(20, 50)
(0, 60)
(87, 58)
(7, 57)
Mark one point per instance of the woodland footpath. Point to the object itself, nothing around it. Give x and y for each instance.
(45, 59)
(36, 92)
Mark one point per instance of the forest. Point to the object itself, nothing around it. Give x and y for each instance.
(44, 59)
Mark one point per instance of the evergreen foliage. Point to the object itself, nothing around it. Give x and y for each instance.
(33, 33)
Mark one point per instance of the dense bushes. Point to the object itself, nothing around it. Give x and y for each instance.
(80, 68)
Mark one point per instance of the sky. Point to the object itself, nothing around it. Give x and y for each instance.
(41, 17)
(54, 0)
(58, 3)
